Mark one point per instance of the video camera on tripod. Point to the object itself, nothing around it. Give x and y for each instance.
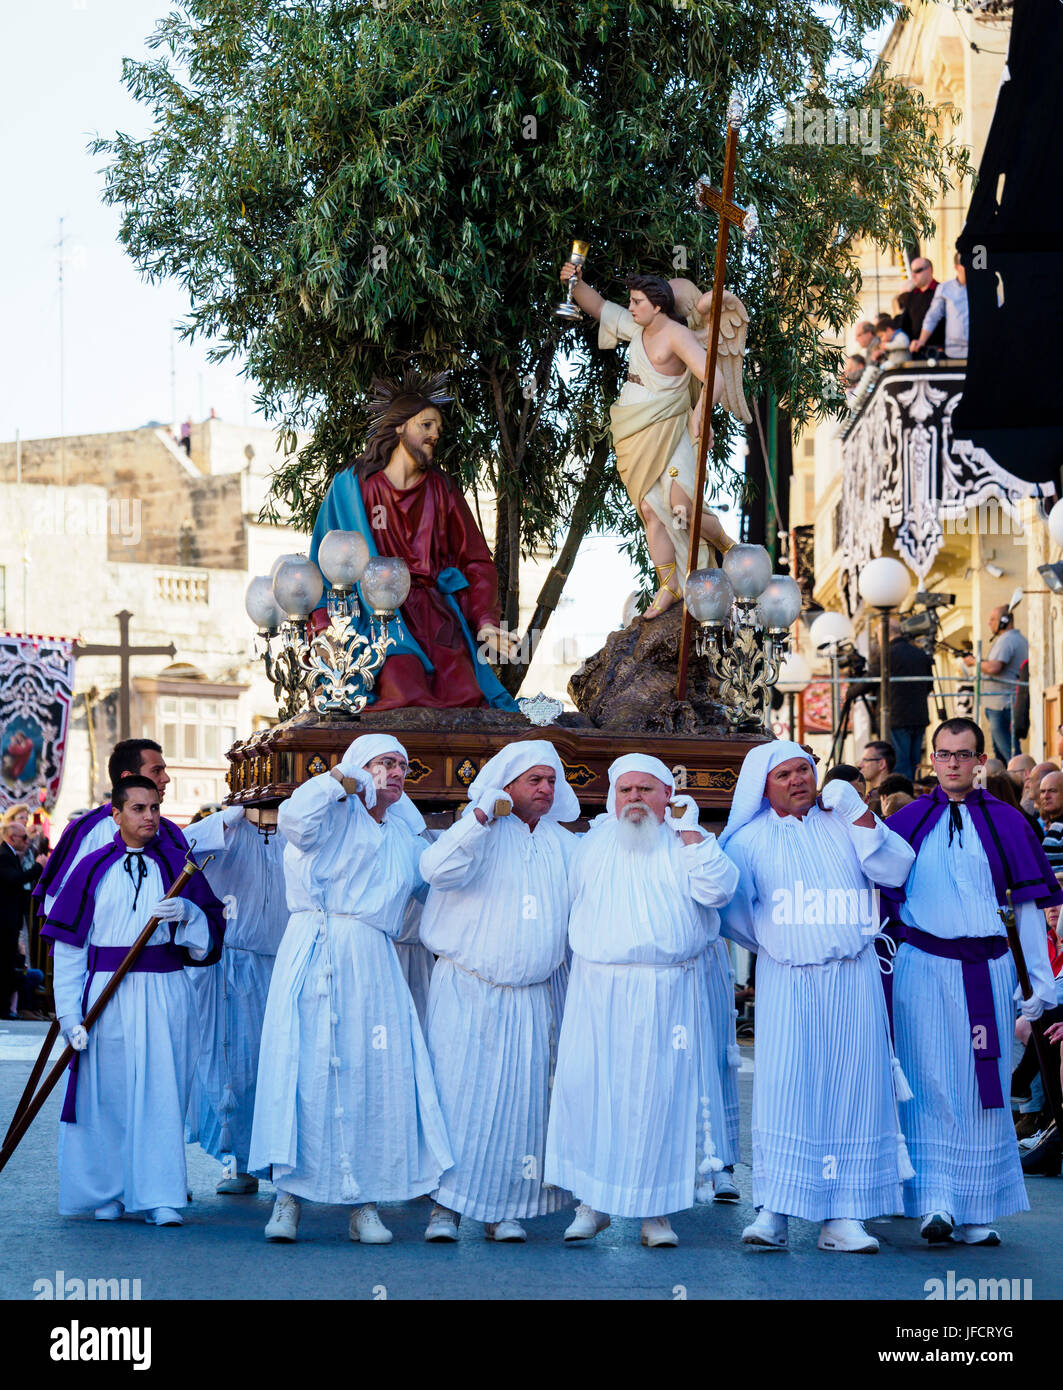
(922, 623)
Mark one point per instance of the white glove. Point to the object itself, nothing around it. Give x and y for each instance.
(73, 1030)
(843, 797)
(1032, 1008)
(171, 910)
(231, 814)
(687, 817)
(488, 799)
(363, 779)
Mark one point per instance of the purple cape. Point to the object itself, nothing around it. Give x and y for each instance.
(61, 857)
(1015, 856)
(72, 912)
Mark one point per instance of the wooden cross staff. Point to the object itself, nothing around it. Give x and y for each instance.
(729, 213)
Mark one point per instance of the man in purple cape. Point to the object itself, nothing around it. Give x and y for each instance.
(954, 989)
(132, 757)
(121, 1143)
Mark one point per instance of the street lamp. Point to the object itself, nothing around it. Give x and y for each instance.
(795, 676)
(829, 632)
(884, 583)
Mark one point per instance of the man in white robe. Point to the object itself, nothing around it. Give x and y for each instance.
(953, 986)
(346, 1110)
(497, 917)
(827, 1144)
(132, 757)
(121, 1142)
(637, 1087)
(246, 871)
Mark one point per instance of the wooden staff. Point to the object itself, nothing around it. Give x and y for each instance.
(1037, 1025)
(28, 1109)
(728, 213)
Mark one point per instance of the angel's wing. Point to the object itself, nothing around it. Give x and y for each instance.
(734, 326)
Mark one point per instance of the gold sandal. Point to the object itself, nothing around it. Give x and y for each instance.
(666, 586)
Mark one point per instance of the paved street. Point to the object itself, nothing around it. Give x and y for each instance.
(220, 1251)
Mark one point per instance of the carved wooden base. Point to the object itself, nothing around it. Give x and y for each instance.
(448, 747)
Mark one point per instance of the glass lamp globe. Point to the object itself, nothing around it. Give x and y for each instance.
(779, 602)
(709, 596)
(297, 586)
(884, 583)
(341, 557)
(280, 560)
(261, 607)
(385, 583)
(829, 629)
(748, 567)
(795, 675)
(1055, 523)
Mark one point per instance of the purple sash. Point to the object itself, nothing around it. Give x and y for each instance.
(153, 960)
(974, 954)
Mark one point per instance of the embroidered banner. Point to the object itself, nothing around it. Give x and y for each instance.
(36, 692)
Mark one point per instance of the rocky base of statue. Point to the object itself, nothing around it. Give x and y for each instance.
(629, 686)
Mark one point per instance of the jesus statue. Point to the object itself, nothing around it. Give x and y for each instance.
(658, 413)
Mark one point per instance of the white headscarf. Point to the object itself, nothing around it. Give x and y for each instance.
(516, 758)
(636, 762)
(362, 752)
(749, 799)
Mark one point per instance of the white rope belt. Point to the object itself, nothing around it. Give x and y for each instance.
(493, 983)
(648, 964)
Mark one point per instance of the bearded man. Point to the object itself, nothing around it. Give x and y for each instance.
(637, 1087)
(406, 506)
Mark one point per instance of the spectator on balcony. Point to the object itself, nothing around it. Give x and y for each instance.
(893, 345)
(1009, 650)
(852, 372)
(921, 290)
(900, 303)
(949, 303)
(866, 339)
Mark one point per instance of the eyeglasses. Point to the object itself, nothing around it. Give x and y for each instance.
(963, 756)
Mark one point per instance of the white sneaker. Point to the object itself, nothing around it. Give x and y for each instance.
(283, 1225)
(1032, 1142)
(367, 1226)
(657, 1230)
(110, 1211)
(770, 1230)
(164, 1216)
(587, 1223)
(845, 1234)
(724, 1187)
(240, 1186)
(442, 1224)
(975, 1235)
(511, 1231)
(936, 1226)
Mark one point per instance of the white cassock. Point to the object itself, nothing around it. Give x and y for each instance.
(720, 979)
(827, 1141)
(247, 875)
(414, 957)
(637, 1058)
(134, 1078)
(89, 833)
(346, 1108)
(497, 917)
(966, 1158)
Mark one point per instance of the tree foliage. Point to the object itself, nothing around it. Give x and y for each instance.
(349, 187)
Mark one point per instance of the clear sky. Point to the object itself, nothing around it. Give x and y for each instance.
(62, 85)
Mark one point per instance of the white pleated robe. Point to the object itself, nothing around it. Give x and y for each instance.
(346, 1107)
(720, 982)
(636, 1058)
(966, 1159)
(134, 1078)
(496, 916)
(247, 876)
(826, 1136)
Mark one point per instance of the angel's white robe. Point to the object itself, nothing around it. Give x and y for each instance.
(128, 1141)
(636, 1060)
(346, 1107)
(826, 1137)
(247, 875)
(496, 916)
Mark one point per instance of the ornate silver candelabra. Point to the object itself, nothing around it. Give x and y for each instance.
(744, 614)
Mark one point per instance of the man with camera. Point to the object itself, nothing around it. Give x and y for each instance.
(1006, 655)
(909, 714)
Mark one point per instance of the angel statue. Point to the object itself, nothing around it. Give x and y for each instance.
(404, 504)
(656, 419)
